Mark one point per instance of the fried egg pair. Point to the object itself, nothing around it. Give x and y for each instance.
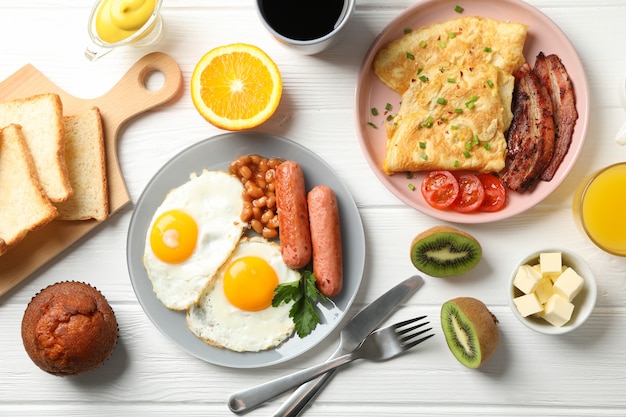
(235, 312)
(192, 233)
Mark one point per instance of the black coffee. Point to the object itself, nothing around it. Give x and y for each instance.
(302, 20)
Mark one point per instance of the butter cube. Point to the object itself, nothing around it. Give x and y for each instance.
(544, 290)
(557, 311)
(528, 304)
(550, 262)
(526, 279)
(569, 284)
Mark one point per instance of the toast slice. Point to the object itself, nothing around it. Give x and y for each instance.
(86, 165)
(24, 206)
(41, 118)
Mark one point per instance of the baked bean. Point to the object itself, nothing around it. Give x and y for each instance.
(274, 162)
(273, 223)
(267, 216)
(245, 172)
(258, 175)
(253, 190)
(257, 226)
(260, 202)
(269, 233)
(246, 214)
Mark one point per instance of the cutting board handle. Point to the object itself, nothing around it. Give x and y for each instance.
(131, 95)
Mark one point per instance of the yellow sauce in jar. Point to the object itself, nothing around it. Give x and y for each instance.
(117, 20)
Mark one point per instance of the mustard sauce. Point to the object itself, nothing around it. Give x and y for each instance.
(117, 20)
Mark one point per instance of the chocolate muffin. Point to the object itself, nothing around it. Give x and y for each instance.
(69, 329)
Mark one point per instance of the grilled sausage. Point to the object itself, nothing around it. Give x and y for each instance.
(326, 239)
(293, 215)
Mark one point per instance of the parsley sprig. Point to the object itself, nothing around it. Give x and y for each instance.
(304, 294)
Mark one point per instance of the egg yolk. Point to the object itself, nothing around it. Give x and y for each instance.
(173, 236)
(249, 283)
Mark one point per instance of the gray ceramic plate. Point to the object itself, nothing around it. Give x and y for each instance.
(216, 153)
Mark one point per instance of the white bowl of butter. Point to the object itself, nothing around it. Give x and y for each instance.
(552, 291)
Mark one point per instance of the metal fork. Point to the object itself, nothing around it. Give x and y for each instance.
(380, 345)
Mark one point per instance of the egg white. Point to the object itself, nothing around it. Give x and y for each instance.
(216, 321)
(214, 200)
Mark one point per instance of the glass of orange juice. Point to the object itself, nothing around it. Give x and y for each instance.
(599, 208)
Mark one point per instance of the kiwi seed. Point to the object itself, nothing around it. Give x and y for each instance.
(443, 251)
(470, 329)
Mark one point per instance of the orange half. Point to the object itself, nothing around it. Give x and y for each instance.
(236, 86)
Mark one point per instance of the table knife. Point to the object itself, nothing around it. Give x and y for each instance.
(362, 324)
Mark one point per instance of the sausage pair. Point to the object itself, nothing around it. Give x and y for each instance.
(309, 228)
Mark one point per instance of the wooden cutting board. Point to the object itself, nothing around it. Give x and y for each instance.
(127, 99)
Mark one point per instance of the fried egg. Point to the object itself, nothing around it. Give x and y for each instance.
(191, 235)
(235, 312)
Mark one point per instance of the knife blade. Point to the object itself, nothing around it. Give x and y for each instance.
(361, 325)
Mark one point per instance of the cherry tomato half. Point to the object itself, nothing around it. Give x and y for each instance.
(495, 193)
(471, 193)
(440, 189)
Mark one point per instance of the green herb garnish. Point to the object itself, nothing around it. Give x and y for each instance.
(304, 294)
(428, 123)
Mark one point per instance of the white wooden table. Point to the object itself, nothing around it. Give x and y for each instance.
(579, 374)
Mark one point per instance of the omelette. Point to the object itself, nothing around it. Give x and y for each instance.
(464, 41)
(452, 118)
(456, 82)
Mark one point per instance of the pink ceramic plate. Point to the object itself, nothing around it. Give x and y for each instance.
(543, 36)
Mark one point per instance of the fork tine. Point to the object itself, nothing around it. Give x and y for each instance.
(404, 331)
(418, 341)
(406, 322)
(412, 336)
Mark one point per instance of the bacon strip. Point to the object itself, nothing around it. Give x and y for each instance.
(531, 136)
(554, 77)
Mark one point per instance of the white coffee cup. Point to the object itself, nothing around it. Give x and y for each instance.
(305, 26)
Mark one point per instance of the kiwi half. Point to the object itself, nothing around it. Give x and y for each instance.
(470, 329)
(443, 251)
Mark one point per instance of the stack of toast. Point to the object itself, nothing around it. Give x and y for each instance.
(51, 166)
